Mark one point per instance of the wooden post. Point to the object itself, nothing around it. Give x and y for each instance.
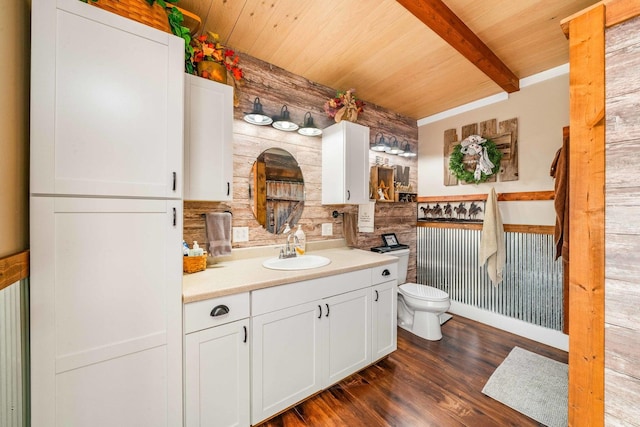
(586, 210)
(565, 260)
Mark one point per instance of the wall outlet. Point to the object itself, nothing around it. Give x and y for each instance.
(240, 234)
(327, 229)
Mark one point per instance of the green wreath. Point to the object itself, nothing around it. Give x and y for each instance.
(457, 167)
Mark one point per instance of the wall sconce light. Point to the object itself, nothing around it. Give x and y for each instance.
(283, 121)
(308, 128)
(380, 144)
(407, 150)
(257, 116)
(394, 148)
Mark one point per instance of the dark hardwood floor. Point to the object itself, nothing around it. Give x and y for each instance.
(423, 383)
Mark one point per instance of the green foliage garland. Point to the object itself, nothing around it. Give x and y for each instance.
(456, 164)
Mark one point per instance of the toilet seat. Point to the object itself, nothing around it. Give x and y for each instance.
(423, 292)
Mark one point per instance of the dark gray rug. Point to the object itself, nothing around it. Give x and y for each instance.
(533, 385)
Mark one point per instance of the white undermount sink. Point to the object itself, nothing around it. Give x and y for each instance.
(303, 262)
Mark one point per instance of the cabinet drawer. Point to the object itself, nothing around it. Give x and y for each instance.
(279, 297)
(384, 273)
(199, 315)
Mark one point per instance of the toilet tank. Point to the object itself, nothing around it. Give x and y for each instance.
(403, 263)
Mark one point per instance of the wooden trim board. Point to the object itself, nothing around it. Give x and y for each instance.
(14, 268)
(502, 197)
(616, 12)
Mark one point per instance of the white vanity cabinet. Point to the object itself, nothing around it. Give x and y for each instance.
(208, 140)
(307, 336)
(345, 164)
(384, 296)
(216, 391)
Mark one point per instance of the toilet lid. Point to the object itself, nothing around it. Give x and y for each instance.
(423, 292)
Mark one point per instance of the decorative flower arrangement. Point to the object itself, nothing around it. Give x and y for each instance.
(482, 162)
(208, 48)
(344, 106)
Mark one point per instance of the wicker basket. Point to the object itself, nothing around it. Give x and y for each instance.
(192, 264)
(137, 10)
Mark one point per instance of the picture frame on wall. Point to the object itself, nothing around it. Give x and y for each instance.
(452, 211)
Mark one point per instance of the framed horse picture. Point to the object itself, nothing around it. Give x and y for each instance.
(452, 211)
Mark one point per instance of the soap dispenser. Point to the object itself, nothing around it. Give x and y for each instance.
(301, 241)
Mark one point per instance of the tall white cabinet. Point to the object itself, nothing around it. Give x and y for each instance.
(106, 219)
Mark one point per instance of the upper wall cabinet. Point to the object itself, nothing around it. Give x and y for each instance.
(107, 114)
(208, 140)
(345, 164)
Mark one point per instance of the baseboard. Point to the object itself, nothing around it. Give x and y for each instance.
(534, 332)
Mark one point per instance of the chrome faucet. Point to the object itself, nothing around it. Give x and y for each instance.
(288, 251)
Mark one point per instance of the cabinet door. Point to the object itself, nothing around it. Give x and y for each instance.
(208, 137)
(345, 164)
(357, 163)
(106, 109)
(384, 321)
(285, 364)
(217, 376)
(347, 320)
(106, 312)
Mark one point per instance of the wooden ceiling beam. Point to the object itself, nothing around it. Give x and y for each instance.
(437, 16)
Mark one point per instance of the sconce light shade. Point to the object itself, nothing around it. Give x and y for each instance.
(257, 116)
(380, 144)
(283, 121)
(394, 148)
(308, 128)
(407, 150)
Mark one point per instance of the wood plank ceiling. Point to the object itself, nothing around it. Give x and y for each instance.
(389, 55)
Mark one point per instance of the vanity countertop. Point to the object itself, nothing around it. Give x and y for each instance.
(248, 274)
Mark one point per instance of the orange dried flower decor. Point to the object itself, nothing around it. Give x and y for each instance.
(208, 48)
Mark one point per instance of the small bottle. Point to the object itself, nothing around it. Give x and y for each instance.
(197, 250)
(185, 248)
(301, 242)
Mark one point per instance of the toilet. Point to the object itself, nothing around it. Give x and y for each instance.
(421, 308)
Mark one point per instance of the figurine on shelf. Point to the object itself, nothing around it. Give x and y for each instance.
(383, 191)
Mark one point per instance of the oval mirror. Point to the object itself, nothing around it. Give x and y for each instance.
(276, 190)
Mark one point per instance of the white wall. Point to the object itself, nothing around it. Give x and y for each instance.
(14, 127)
(542, 110)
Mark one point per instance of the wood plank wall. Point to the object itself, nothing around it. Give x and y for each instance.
(622, 246)
(276, 87)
